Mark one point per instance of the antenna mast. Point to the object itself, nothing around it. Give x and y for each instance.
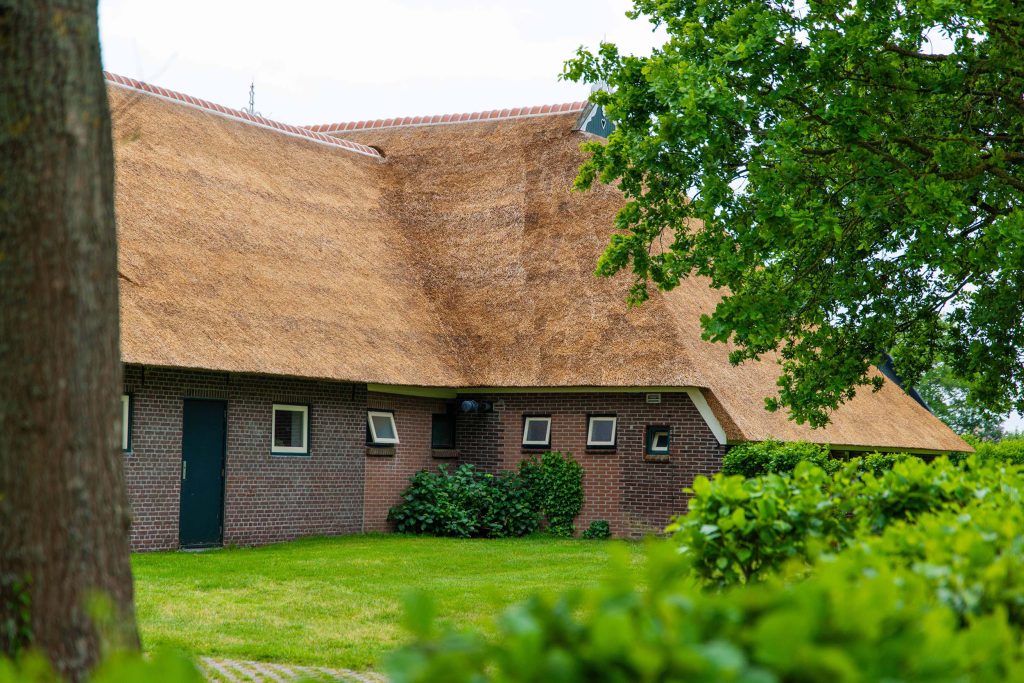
(251, 109)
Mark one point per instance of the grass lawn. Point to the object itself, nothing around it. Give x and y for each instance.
(338, 602)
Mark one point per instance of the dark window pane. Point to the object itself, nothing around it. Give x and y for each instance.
(442, 431)
(537, 430)
(383, 427)
(602, 430)
(288, 432)
(657, 439)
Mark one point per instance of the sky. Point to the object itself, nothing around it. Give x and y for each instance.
(322, 62)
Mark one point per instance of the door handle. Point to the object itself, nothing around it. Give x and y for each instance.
(184, 469)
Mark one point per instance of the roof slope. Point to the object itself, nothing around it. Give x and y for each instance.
(246, 250)
(509, 252)
(459, 260)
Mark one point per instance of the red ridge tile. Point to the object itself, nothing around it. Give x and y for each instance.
(397, 122)
(238, 114)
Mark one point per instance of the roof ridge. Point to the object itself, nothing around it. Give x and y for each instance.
(237, 114)
(442, 119)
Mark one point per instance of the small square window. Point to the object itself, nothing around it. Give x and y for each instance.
(601, 431)
(290, 430)
(381, 425)
(537, 432)
(658, 438)
(442, 431)
(126, 422)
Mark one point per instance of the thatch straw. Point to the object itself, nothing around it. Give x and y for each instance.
(460, 260)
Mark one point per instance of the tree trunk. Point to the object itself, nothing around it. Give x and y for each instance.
(63, 512)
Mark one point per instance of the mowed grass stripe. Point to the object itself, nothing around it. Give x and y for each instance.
(338, 602)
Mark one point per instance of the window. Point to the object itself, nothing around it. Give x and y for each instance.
(126, 422)
(657, 440)
(442, 431)
(381, 425)
(537, 431)
(291, 430)
(601, 431)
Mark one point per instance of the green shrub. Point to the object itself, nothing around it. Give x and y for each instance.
(739, 529)
(1010, 449)
(919, 576)
(599, 529)
(117, 668)
(848, 622)
(879, 463)
(755, 458)
(465, 504)
(555, 481)
(509, 509)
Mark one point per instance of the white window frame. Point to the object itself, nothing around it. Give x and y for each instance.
(370, 414)
(547, 432)
(126, 422)
(289, 450)
(653, 449)
(591, 442)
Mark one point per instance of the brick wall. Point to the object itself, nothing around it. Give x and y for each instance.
(634, 494)
(266, 498)
(345, 487)
(388, 470)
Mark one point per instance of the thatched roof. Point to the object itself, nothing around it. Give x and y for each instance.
(460, 259)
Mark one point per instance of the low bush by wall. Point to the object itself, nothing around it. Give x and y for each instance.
(546, 491)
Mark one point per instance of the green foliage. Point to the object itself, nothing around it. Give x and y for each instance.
(16, 624)
(950, 398)
(738, 529)
(469, 504)
(851, 187)
(466, 504)
(121, 667)
(845, 623)
(1009, 449)
(915, 574)
(755, 458)
(556, 480)
(879, 463)
(599, 529)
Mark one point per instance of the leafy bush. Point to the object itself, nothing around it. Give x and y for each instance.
(879, 463)
(465, 504)
(1010, 449)
(738, 529)
(556, 482)
(755, 458)
(924, 580)
(599, 529)
(508, 509)
(842, 624)
(116, 668)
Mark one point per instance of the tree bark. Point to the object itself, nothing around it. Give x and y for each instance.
(63, 512)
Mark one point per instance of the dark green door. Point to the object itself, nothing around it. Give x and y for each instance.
(203, 445)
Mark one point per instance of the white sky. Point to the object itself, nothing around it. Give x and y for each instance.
(322, 62)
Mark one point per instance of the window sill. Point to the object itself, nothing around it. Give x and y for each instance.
(289, 455)
(381, 451)
(660, 457)
(444, 453)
